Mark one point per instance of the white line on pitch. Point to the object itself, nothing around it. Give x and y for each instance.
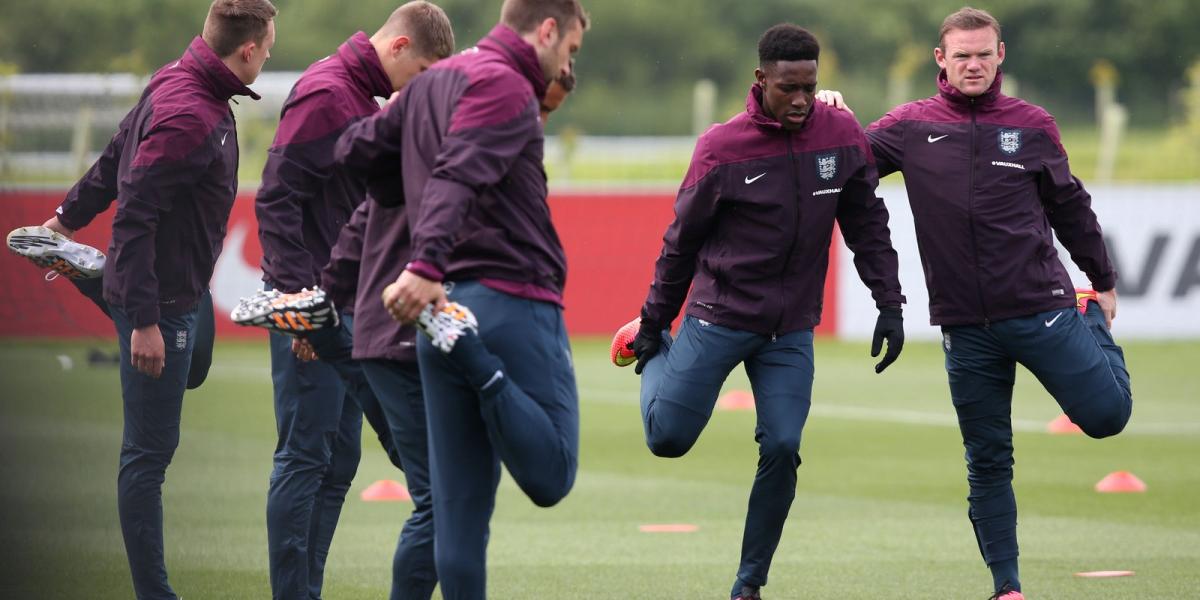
(915, 417)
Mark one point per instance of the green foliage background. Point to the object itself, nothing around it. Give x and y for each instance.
(642, 57)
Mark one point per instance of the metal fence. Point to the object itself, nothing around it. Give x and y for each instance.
(54, 126)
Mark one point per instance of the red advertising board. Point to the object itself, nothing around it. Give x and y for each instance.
(611, 241)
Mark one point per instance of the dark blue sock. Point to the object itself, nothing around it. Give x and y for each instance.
(1004, 572)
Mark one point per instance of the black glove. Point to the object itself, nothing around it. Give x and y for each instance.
(889, 326)
(646, 343)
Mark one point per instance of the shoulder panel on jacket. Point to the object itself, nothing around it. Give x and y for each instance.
(832, 128)
(739, 139)
(171, 137)
(315, 111)
(495, 92)
(1014, 112)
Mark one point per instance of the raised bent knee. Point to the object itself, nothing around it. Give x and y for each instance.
(1105, 423)
(545, 496)
(672, 437)
(669, 446)
(1105, 427)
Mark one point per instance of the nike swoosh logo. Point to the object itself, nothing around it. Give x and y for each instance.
(1051, 321)
(223, 138)
(750, 180)
(939, 138)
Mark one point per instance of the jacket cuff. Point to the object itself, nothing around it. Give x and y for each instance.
(144, 317)
(891, 300)
(891, 311)
(67, 221)
(342, 296)
(288, 287)
(426, 270)
(1105, 282)
(647, 323)
(651, 320)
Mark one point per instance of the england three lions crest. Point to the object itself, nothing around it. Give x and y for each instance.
(1010, 141)
(827, 166)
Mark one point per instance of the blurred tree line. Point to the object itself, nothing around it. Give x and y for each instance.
(642, 58)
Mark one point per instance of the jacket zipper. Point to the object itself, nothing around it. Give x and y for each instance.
(237, 154)
(787, 261)
(971, 217)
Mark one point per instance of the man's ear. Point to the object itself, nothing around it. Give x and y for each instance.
(399, 43)
(548, 32)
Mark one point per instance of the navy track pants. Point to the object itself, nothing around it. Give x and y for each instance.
(1077, 361)
(528, 419)
(679, 390)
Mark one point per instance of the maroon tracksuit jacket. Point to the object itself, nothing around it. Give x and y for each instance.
(172, 168)
(305, 199)
(989, 185)
(466, 136)
(754, 219)
(358, 270)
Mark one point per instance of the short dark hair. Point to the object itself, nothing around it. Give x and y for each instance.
(524, 16)
(426, 25)
(231, 23)
(787, 42)
(968, 19)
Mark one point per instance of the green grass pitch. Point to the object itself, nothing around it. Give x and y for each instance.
(880, 510)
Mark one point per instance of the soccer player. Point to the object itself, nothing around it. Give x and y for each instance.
(468, 139)
(303, 203)
(988, 182)
(172, 169)
(386, 351)
(753, 224)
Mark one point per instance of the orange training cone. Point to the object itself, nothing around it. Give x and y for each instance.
(736, 400)
(386, 490)
(1120, 482)
(1062, 425)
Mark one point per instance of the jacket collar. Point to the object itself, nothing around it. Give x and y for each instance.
(517, 53)
(364, 66)
(758, 115)
(952, 95)
(201, 60)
